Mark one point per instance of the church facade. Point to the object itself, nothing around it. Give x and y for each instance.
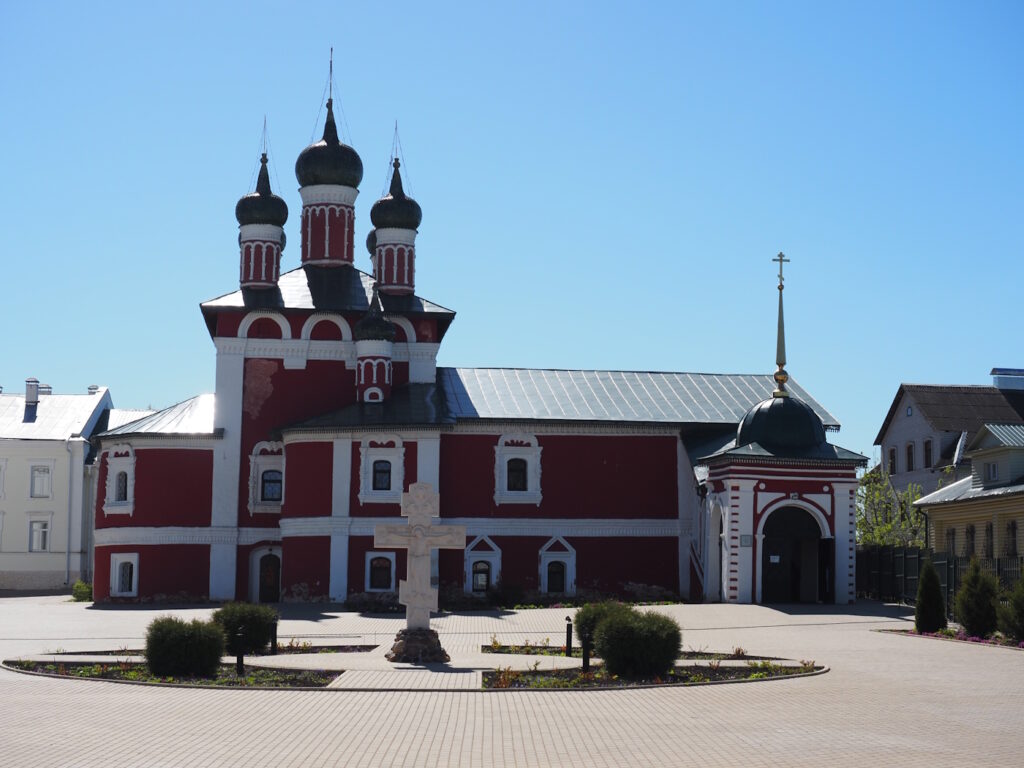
(329, 404)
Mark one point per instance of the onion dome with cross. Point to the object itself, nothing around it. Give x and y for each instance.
(261, 217)
(392, 244)
(328, 173)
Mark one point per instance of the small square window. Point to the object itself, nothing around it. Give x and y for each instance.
(39, 536)
(40, 482)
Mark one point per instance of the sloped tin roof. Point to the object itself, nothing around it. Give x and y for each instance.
(190, 417)
(1007, 435)
(55, 417)
(526, 394)
(961, 490)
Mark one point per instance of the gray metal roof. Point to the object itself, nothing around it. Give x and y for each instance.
(118, 417)
(56, 417)
(1007, 435)
(961, 490)
(632, 396)
(191, 417)
(338, 289)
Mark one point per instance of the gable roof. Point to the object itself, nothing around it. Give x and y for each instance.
(1002, 435)
(192, 417)
(528, 394)
(338, 289)
(957, 408)
(56, 417)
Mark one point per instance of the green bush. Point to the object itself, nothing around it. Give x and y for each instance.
(592, 614)
(254, 622)
(929, 608)
(637, 645)
(976, 601)
(1011, 615)
(178, 649)
(81, 592)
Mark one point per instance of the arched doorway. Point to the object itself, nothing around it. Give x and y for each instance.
(796, 562)
(265, 575)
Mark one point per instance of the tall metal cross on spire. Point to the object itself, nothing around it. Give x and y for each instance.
(781, 258)
(330, 75)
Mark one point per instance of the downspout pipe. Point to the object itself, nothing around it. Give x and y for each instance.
(71, 483)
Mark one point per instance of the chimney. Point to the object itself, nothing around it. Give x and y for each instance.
(45, 389)
(31, 391)
(1008, 378)
(93, 389)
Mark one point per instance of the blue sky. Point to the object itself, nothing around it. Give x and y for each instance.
(603, 185)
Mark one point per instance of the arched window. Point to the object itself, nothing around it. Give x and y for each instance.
(382, 475)
(380, 574)
(910, 457)
(121, 491)
(126, 577)
(516, 475)
(556, 576)
(481, 576)
(270, 485)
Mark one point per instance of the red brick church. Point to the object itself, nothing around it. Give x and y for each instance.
(329, 404)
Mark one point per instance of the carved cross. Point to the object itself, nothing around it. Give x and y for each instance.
(419, 537)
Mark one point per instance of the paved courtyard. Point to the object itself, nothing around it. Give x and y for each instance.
(886, 701)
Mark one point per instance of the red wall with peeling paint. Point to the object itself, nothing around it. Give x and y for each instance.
(172, 487)
(305, 567)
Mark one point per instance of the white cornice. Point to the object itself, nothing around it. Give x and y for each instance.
(148, 536)
(491, 526)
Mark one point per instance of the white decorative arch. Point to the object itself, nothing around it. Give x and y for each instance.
(405, 325)
(319, 317)
(489, 553)
(819, 518)
(120, 458)
(254, 569)
(259, 314)
(517, 446)
(567, 556)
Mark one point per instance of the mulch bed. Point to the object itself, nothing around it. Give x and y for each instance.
(577, 652)
(599, 678)
(255, 677)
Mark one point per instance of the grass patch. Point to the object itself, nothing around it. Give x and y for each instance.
(255, 677)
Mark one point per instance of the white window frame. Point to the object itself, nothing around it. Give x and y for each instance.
(116, 559)
(567, 556)
(40, 517)
(517, 446)
(991, 471)
(49, 465)
(116, 465)
(366, 575)
(373, 449)
(492, 557)
(266, 455)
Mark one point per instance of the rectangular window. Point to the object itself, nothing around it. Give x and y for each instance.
(991, 471)
(40, 488)
(927, 454)
(910, 457)
(124, 574)
(892, 461)
(39, 536)
(382, 475)
(951, 541)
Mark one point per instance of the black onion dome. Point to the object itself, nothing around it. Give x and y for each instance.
(373, 325)
(262, 206)
(371, 242)
(781, 422)
(395, 209)
(329, 161)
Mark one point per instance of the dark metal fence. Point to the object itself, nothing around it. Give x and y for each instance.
(891, 573)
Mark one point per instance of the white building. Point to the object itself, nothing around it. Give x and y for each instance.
(44, 448)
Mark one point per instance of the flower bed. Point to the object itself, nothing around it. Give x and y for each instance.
(127, 671)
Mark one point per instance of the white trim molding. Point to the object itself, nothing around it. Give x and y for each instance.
(482, 550)
(117, 560)
(565, 556)
(526, 448)
(120, 458)
(266, 456)
(325, 317)
(259, 314)
(381, 448)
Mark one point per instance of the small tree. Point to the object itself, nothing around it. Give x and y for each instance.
(247, 627)
(976, 601)
(886, 516)
(1011, 615)
(930, 608)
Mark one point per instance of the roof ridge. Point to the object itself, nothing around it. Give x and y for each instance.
(591, 370)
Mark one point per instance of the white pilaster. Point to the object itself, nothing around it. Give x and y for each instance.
(227, 415)
(341, 486)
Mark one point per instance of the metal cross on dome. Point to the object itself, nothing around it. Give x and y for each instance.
(781, 259)
(419, 537)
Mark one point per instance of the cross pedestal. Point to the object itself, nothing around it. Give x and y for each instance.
(418, 642)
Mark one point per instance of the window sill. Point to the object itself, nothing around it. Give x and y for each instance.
(119, 508)
(266, 508)
(517, 497)
(381, 497)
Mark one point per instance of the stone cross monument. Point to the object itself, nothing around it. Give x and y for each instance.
(417, 642)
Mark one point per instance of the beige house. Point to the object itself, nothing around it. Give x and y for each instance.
(983, 513)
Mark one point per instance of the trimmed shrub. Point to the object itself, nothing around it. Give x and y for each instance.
(976, 601)
(929, 608)
(254, 622)
(637, 645)
(81, 592)
(1011, 615)
(590, 615)
(178, 649)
